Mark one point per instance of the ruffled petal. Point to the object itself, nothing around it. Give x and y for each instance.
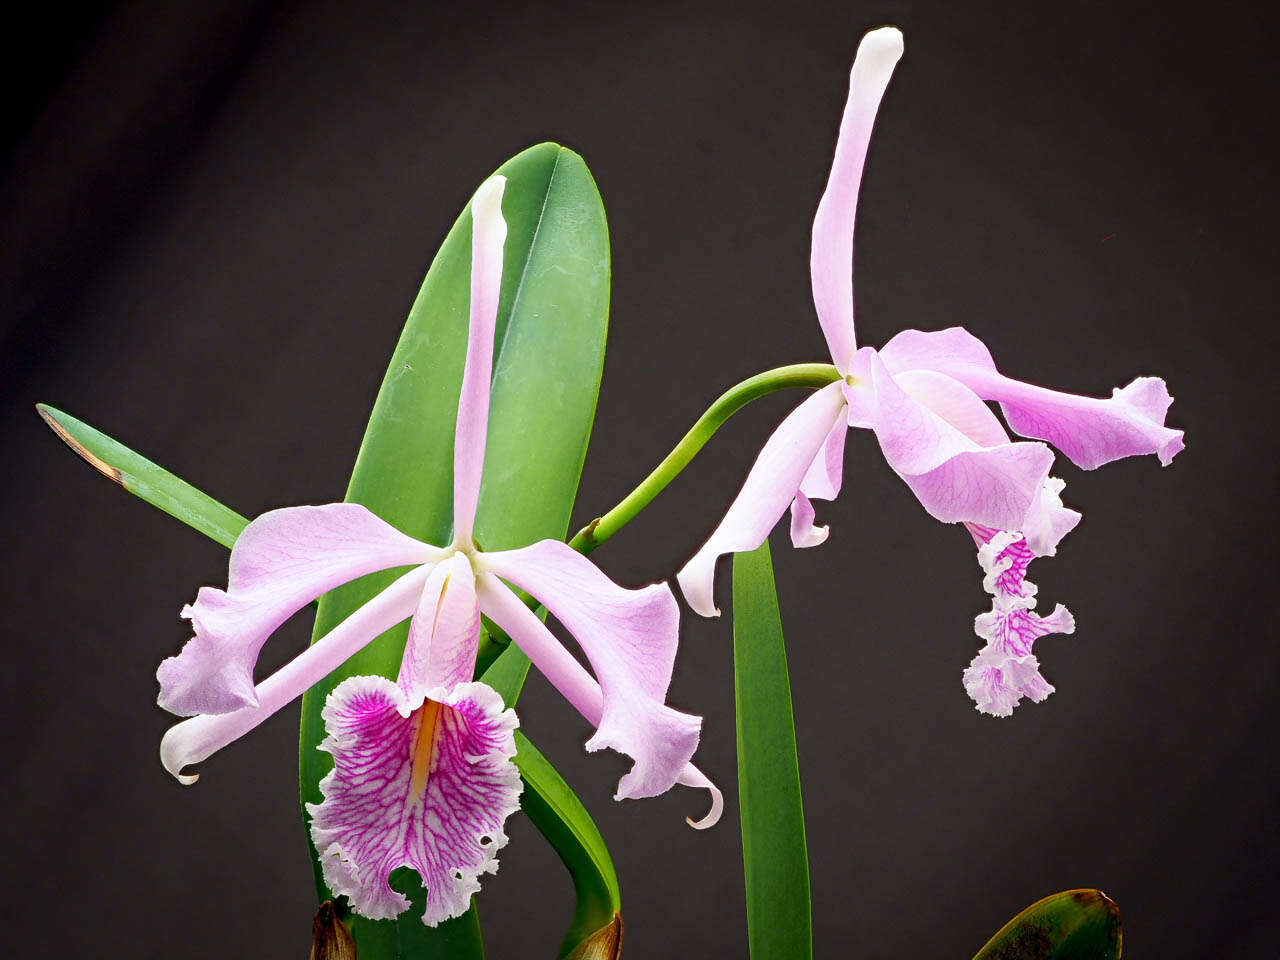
(1049, 521)
(772, 484)
(488, 234)
(1089, 430)
(281, 562)
(1006, 670)
(625, 640)
(194, 740)
(831, 257)
(425, 784)
(445, 632)
(954, 477)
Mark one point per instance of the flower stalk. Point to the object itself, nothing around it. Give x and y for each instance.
(726, 405)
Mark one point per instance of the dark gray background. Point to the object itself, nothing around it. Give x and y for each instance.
(214, 223)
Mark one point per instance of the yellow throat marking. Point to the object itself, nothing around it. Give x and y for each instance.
(423, 748)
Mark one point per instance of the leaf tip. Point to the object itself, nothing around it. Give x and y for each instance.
(50, 416)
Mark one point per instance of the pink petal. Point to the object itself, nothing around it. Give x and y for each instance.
(821, 482)
(831, 257)
(954, 477)
(488, 234)
(194, 740)
(397, 799)
(445, 632)
(1089, 430)
(625, 639)
(772, 484)
(281, 562)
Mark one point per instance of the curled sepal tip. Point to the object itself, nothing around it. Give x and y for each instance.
(691, 776)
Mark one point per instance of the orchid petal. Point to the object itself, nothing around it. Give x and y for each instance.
(953, 476)
(281, 562)
(691, 776)
(624, 706)
(426, 784)
(194, 740)
(770, 487)
(1048, 521)
(821, 482)
(488, 234)
(831, 257)
(445, 632)
(1089, 430)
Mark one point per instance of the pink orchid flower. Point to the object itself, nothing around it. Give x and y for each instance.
(422, 766)
(924, 395)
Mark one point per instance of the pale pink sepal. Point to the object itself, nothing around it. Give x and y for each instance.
(281, 562)
(445, 632)
(770, 487)
(624, 705)
(955, 477)
(821, 482)
(831, 256)
(392, 801)
(1089, 430)
(194, 740)
(488, 234)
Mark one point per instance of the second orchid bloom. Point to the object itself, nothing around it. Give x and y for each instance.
(422, 773)
(924, 396)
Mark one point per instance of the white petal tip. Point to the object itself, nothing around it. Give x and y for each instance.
(488, 197)
(187, 779)
(883, 41)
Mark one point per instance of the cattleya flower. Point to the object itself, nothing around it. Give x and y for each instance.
(924, 395)
(423, 774)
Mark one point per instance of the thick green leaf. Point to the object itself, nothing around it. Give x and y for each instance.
(1072, 925)
(560, 816)
(775, 859)
(144, 479)
(548, 355)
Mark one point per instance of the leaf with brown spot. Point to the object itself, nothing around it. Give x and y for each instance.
(1072, 925)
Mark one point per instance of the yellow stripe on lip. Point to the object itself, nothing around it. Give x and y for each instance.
(423, 749)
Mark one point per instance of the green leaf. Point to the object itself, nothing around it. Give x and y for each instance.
(775, 859)
(548, 356)
(559, 815)
(144, 479)
(1072, 925)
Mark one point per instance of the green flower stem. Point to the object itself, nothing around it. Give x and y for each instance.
(729, 403)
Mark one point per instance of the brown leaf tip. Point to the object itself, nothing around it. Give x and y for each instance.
(330, 938)
(104, 468)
